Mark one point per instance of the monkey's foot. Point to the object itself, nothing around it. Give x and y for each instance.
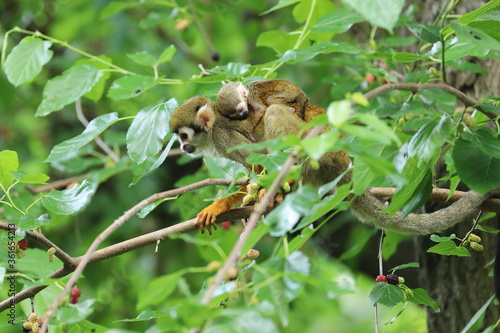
(206, 218)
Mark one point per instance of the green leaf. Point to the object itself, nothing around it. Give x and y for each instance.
(26, 60)
(317, 146)
(337, 21)
(420, 296)
(407, 57)
(76, 312)
(8, 162)
(98, 89)
(28, 222)
(408, 265)
(158, 290)
(307, 53)
(166, 55)
(477, 320)
(143, 58)
(247, 321)
(485, 139)
(458, 48)
(116, 7)
(94, 128)
(150, 126)
(279, 5)
(231, 69)
(68, 87)
(429, 140)
(381, 13)
(297, 204)
(387, 294)
(38, 178)
(130, 86)
(475, 36)
(476, 168)
(225, 168)
(68, 201)
(338, 112)
(277, 40)
(297, 263)
(449, 248)
(439, 239)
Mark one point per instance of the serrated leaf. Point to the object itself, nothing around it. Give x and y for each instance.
(449, 248)
(8, 162)
(420, 296)
(439, 239)
(317, 146)
(429, 140)
(476, 168)
(76, 312)
(386, 294)
(225, 168)
(475, 36)
(485, 139)
(94, 128)
(458, 48)
(28, 222)
(337, 21)
(68, 201)
(143, 58)
(38, 178)
(307, 53)
(284, 217)
(130, 86)
(167, 55)
(97, 90)
(380, 13)
(149, 127)
(68, 87)
(26, 60)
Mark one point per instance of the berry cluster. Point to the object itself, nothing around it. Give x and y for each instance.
(390, 279)
(33, 324)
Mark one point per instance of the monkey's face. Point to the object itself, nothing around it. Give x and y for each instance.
(192, 122)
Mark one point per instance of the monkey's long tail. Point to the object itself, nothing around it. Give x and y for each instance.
(369, 209)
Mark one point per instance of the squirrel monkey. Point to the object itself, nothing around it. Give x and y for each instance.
(204, 130)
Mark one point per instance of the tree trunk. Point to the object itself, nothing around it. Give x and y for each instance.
(460, 285)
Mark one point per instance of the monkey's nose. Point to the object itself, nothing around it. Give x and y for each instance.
(244, 114)
(188, 148)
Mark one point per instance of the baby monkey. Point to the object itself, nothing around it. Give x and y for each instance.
(235, 101)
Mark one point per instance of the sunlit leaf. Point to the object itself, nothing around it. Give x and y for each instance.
(8, 162)
(76, 312)
(28, 222)
(337, 21)
(68, 201)
(143, 58)
(38, 178)
(26, 60)
(381, 13)
(68, 87)
(167, 55)
(449, 248)
(130, 86)
(94, 128)
(150, 126)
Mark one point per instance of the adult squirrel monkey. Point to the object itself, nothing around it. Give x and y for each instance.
(204, 129)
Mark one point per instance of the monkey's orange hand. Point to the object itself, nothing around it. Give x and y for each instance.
(206, 218)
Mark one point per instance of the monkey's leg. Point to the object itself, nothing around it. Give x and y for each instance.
(206, 218)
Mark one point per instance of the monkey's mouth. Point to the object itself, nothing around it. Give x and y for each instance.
(187, 148)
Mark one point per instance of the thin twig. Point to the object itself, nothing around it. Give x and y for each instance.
(115, 225)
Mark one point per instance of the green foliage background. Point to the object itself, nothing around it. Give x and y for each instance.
(332, 50)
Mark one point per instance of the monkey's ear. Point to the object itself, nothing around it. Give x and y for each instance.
(206, 117)
(242, 90)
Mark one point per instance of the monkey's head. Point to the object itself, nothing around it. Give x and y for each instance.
(232, 101)
(192, 121)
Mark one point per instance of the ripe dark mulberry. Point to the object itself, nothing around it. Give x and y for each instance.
(392, 279)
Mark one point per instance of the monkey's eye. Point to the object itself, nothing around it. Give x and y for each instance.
(183, 136)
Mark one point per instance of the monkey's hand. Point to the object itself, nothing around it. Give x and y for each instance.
(206, 218)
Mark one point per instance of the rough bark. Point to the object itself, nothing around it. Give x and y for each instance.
(460, 285)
